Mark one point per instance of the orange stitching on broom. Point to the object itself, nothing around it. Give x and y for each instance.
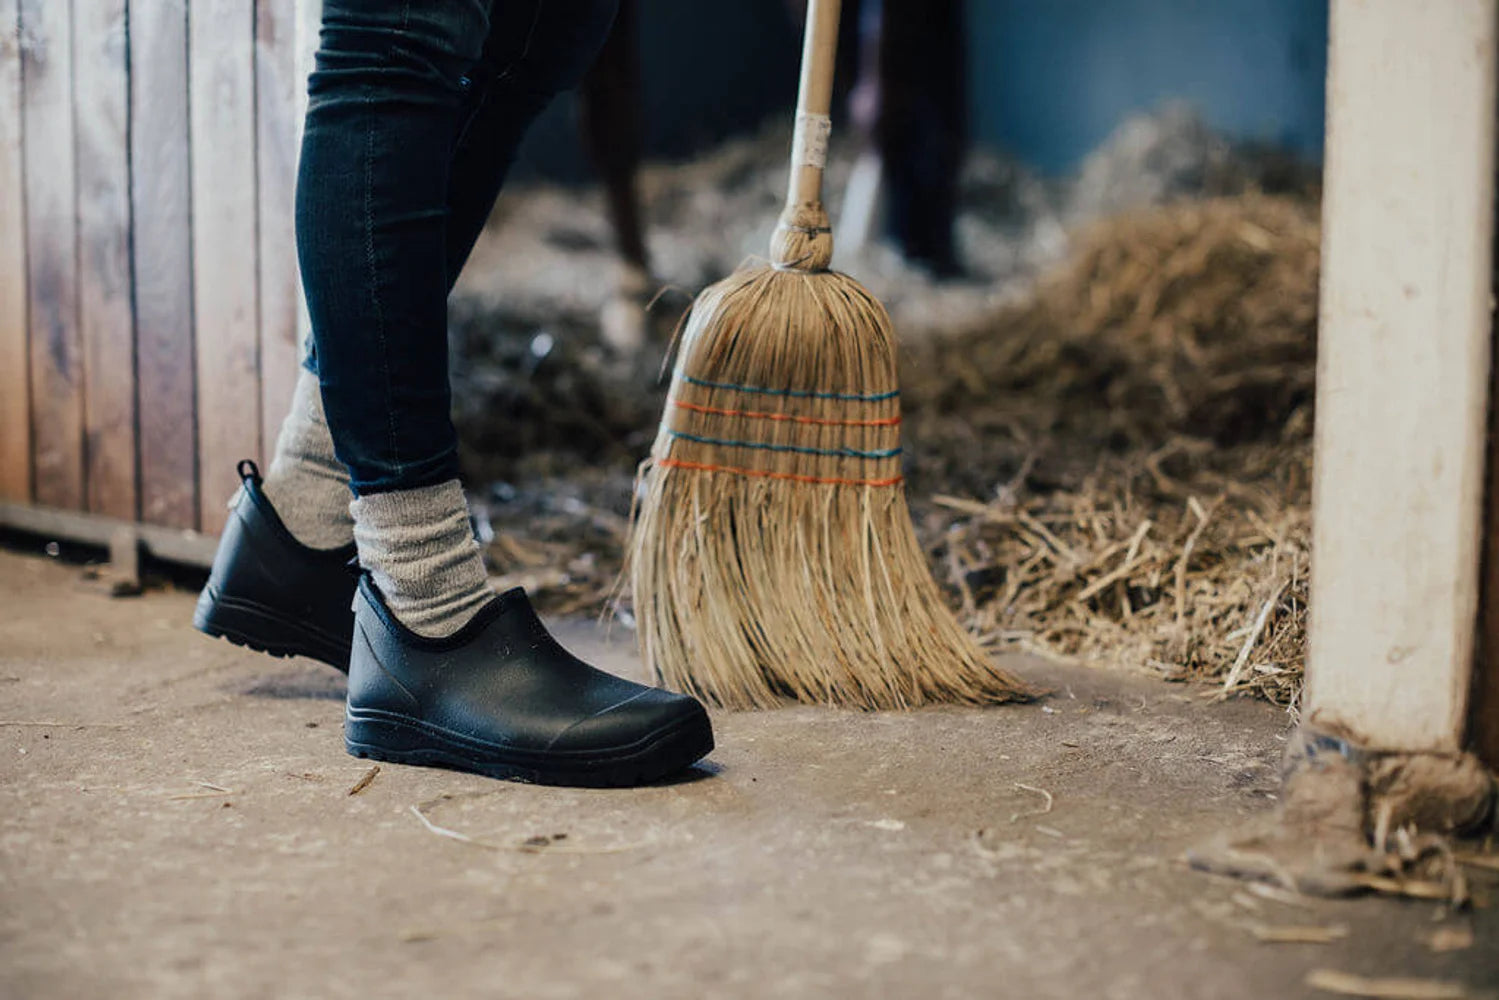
(753, 414)
(677, 463)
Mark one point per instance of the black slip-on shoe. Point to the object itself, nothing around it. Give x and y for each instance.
(501, 697)
(270, 592)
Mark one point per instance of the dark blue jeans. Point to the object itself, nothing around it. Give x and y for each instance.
(416, 108)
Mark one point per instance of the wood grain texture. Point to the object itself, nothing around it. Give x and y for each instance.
(106, 320)
(221, 75)
(52, 253)
(15, 368)
(277, 133)
(161, 206)
(1403, 370)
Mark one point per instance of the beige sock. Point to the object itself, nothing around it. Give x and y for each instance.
(420, 549)
(306, 484)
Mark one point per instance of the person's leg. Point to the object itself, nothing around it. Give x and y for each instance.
(383, 114)
(610, 118)
(384, 110)
(306, 483)
(518, 71)
(385, 103)
(441, 671)
(609, 111)
(411, 127)
(921, 132)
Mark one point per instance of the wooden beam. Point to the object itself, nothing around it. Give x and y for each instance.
(52, 253)
(1403, 369)
(161, 204)
(221, 80)
(15, 368)
(106, 321)
(186, 547)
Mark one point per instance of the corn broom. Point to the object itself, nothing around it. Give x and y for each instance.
(772, 553)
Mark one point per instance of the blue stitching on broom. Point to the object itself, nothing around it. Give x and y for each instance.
(793, 393)
(830, 452)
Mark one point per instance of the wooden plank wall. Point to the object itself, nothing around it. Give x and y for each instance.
(148, 287)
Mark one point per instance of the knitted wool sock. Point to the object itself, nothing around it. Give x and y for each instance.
(306, 484)
(420, 549)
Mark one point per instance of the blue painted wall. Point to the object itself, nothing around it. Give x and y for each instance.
(1049, 79)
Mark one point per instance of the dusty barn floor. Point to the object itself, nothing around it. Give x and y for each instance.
(176, 820)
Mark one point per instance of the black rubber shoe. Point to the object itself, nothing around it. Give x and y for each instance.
(503, 698)
(270, 592)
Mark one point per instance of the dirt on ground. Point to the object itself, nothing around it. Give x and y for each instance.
(178, 818)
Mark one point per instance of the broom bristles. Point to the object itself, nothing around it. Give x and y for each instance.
(772, 554)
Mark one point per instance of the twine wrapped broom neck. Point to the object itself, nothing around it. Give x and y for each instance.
(803, 237)
(772, 553)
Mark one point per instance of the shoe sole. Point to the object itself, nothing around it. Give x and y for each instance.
(265, 630)
(400, 741)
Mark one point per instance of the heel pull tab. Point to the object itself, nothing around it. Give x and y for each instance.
(248, 471)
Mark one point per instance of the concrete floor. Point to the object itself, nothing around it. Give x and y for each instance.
(819, 853)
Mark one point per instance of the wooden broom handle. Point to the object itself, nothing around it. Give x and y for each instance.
(803, 239)
(815, 95)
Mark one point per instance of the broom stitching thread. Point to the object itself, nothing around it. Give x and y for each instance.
(799, 449)
(756, 415)
(677, 463)
(793, 393)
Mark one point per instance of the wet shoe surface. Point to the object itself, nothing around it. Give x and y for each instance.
(501, 697)
(270, 592)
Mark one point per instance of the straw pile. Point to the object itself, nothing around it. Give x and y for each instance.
(1139, 432)
(1116, 470)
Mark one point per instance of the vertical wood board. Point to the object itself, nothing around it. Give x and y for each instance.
(160, 199)
(105, 317)
(52, 253)
(277, 132)
(221, 72)
(15, 368)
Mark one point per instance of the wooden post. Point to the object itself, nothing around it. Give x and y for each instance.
(15, 381)
(1403, 370)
